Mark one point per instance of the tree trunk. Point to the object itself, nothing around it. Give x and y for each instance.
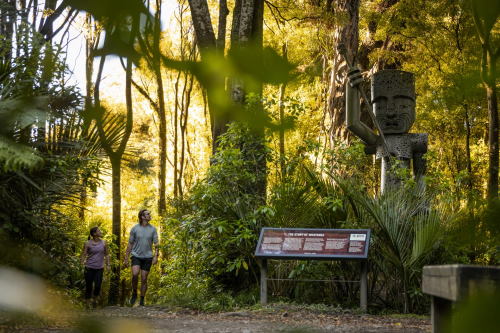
(162, 174)
(176, 135)
(470, 183)
(221, 31)
(219, 122)
(162, 117)
(247, 29)
(206, 41)
(346, 35)
(492, 142)
(282, 118)
(115, 158)
(115, 155)
(7, 29)
(188, 88)
(114, 286)
(90, 44)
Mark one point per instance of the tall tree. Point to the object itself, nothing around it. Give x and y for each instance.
(114, 134)
(347, 35)
(91, 40)
(151, 51)
(281, 112)
(485, 14)
(208, 45)
(247, 33)
(183, 89)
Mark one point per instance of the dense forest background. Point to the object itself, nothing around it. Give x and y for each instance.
(229, 116)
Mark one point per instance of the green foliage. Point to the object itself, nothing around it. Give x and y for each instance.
(117, 16)
(210, 235)
(215, 230)
(487, 12)
(252, 66)
(407, 229)
(45, 161)
(15, 157)
(473, 238)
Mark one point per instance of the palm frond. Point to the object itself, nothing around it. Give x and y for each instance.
(407, 229)
(104, 130)
(294, 205)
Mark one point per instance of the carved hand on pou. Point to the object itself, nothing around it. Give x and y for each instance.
(354, 76)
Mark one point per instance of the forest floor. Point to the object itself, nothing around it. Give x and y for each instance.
(273, 318)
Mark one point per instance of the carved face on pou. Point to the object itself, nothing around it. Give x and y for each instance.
(393, 98)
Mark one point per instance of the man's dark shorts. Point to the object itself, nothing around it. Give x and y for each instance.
(144, 263)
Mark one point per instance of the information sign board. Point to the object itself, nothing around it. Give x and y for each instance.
(298, 243)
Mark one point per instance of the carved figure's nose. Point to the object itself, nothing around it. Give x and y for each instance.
(391, 110)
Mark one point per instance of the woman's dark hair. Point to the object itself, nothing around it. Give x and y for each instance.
(141, 212)
(92, 232)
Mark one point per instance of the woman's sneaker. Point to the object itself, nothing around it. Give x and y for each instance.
(133, 299)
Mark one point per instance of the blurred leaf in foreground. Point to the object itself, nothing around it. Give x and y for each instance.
(116, 17)
(480, 313)
(21, 292)
(250, 65)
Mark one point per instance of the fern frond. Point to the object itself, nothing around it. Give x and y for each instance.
(14, 156)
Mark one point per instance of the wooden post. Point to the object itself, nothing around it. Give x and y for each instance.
(363, 289)
(263, 281)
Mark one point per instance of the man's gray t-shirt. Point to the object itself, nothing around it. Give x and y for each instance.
(142, 239)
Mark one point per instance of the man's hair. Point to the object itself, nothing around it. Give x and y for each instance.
(141, 212)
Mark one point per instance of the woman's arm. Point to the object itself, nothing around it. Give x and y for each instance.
(83, 256)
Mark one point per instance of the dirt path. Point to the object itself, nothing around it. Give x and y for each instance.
(156, 319)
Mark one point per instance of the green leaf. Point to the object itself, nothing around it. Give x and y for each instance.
(488, 12)
(14, 156)
(109, 9)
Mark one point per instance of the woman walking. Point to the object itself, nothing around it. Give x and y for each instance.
(95, 252)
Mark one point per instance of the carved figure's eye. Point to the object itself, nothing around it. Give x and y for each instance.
(380, 104)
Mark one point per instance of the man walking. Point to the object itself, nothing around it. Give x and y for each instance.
(142, 237)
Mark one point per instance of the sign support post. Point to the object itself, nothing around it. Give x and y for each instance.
(263, 281)
(363, 288)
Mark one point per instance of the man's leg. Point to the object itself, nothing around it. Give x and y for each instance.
(144, 285)
(135, 279)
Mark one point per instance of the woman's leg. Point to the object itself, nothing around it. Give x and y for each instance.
(89, 279)
(97, 283)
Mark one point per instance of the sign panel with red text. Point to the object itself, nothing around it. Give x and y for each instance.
(297, 243)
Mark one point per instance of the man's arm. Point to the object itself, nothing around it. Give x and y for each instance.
(130, 244)
(156, 247)
(127, 254)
